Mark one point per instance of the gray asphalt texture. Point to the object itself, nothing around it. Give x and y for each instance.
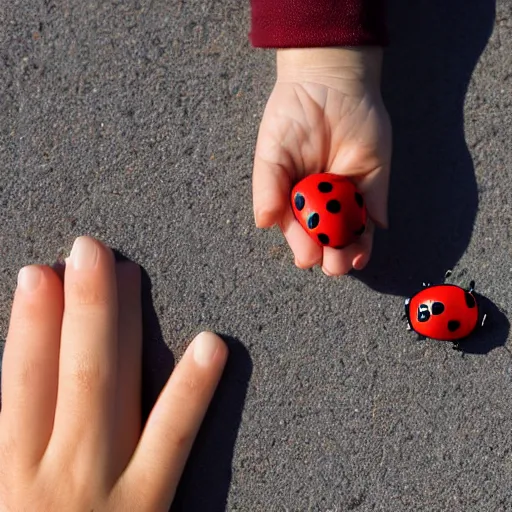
(136, 122)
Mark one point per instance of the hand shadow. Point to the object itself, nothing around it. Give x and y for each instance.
(205, 483)
(433, 200)
(206, 480)
(157, 358)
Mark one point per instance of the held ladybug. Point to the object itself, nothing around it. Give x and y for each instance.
(330, 209)
(444, 312)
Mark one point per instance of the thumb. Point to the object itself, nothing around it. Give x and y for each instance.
(271, 187)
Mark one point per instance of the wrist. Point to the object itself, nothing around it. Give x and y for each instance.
(333, 66)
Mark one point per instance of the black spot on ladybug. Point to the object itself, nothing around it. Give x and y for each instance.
(360, 231)
(299, 201)
(324, 187)
(470, 300)
(423, 313)
(324, 239)
(453, 325)
(313, 220)
(359, 199)
(333, 206)
(437, 308)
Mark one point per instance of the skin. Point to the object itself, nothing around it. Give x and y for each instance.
(70, 429)
(325, 113)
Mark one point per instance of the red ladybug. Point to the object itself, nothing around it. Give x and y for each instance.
(444, 312)
(330, 209)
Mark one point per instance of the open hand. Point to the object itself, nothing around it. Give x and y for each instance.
(70, 424)
(324, 114)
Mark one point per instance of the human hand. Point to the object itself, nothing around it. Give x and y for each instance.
(70, 424)
(324, 114)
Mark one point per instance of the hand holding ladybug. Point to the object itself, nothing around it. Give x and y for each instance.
(325, 114)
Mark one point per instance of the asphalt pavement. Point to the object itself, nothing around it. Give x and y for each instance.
(135, 121)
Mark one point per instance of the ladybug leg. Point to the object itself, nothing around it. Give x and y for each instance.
(406, 313)
(447, 274)
(456, 346)
(421, 338)
(471, 286)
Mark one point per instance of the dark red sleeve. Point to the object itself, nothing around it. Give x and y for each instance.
(314, 23)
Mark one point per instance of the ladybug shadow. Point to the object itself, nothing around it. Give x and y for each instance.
(433, 196)
(492, 335)
(206, 480)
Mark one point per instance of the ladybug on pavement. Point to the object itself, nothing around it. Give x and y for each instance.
(444, 312)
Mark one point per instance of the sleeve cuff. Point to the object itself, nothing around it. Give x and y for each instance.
(319, 23)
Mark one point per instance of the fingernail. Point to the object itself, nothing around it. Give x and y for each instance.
(84, 254)
(205, 348)
(29, 278)
(298, 263)
(358, 263)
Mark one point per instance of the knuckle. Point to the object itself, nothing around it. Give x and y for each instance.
(87, 373)
(85, 294)
(24, 317)
(7, 450)
(24, 374)
(187, 387)
(180, 438)
(188, 390)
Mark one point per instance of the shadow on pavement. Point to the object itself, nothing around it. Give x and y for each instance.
(207, 477)
(494, 332)
(435, 46)
(157, 358)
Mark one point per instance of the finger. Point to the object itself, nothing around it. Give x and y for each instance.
(88, 356)
(172, 426)
(337, 262)
(31, 360)
(129, 357)
(365, 244)
(271, 187)
(307, 253)
(375, 188)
